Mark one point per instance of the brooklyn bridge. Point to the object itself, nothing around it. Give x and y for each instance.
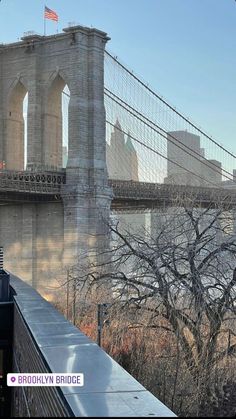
(83, 138)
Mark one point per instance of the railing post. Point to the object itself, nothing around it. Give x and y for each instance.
(4, 281)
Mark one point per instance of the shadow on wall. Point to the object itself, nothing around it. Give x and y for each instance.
(32, 238)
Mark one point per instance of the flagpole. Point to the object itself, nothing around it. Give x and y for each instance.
(44, 25)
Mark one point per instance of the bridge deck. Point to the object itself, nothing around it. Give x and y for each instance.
(28, 186)
(31, 186)
(142, 195)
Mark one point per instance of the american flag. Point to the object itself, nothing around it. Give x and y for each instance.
(50, 14)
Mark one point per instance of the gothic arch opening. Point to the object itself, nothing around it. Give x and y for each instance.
(65, 126)
(55, 127)
(16, 132)
(25, 116)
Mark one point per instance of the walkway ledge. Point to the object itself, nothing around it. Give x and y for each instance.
(45, 342)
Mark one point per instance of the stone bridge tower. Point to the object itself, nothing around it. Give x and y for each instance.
(42, 66)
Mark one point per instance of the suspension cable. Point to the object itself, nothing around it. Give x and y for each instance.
(168, 105)
(187, 149)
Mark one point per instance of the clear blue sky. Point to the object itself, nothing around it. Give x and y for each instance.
(185, 49)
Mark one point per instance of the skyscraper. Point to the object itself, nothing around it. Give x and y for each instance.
(182, 146)
(122, 159)
(187, 164)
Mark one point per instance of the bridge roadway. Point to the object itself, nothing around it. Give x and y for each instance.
(37, 186)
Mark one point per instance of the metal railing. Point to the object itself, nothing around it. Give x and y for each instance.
(32, 181)
(50, 182)
(142, 191)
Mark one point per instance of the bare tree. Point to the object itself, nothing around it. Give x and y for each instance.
(180, 277)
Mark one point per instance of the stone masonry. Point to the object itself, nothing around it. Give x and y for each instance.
(42, 66)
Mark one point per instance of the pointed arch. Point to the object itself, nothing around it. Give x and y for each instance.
(15, 128)
(65, 125)
(53, 124)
